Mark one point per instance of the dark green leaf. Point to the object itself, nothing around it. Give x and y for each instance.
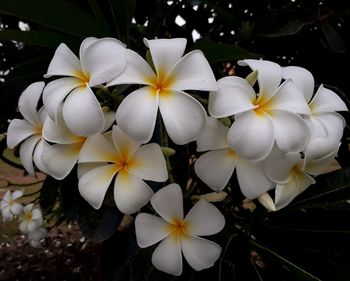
(218, 52)
(334, 42)
(38, 38)
(62, 15)
(290, 28)
(299, 272)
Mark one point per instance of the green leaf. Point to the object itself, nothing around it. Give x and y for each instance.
(290, 28)
(295, 269)
(38, 38)
(218, 52)
(62, 15)
(333, 40)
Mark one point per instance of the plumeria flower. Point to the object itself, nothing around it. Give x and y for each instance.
(61, 156)
(100, 61)
(8, 205)
(264, 118)
(215, 168)
(36, 235)
(125, 160)
(183, 116)
(319, 155)
(30, 219)
(323, 105)
(178, 234)
(28, 131)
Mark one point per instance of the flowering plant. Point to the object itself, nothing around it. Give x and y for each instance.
(123, 135)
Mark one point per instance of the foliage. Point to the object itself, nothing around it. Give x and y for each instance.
(309, 239)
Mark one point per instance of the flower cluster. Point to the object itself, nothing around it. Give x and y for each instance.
(30, 218)
(269, 126)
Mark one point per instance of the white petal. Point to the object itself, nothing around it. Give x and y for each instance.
(60, 159)
(269, 75)
(125, 145)
(252, 178)
(28, 101)
(326, 100)
(137, 71)
(242, 136)
(37, 215)
(184, 117)
(213, 136)
(94, 184)
(215, 168)
(83, 168)
(204, 219)
(55, 92)
(298, 182)
(150, 229)
(6, 214)
(320, 166)
(166, 52)
(288, 98)
(148, 163)
(42, 115)
(130, 193)
(167, 256)
(103, 60)
(7, 196)
(37, 156)
(137, 114)
(319, 147)
(266, 200)
(17, 194)
(16, 208)
(89, 119)
(302, 78)
(291, 131)
(97, 149)
(109, 117)
(200, 253)
(64, 63)
(85, 44)
(333, 122)
(26, 151)
(235, 95)
(58, 132)
(168, 202)
(18, 131)
(193, 72)
(23, 226)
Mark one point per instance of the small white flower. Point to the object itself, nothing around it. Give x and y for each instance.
(36, 235)
(8, 205)
(100, 61)
(30, 219)
(116, 154)
(28, 131)
(183, 116)
(178, 234)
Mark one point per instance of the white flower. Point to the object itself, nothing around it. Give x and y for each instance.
(30, 219)
(116, 154)
(183, 116)
(319, 154)
(61, 156)
(8, 205)
(100, 61)
(27, 132)
(179, 234)
(36, 235)
(216, 167)
(264, 118)
(324, 119)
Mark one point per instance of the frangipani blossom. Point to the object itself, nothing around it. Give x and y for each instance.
(265, 118)
(61, 156)
(125, 160)
(30, 219)
(27, 132)
(36, 235)
(183, 116)
(216, 167)
(100, 61)
(323, 105)
(178, 234)
(319, 154)
(8, 205)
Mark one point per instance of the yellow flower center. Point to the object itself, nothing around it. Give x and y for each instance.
(161, 83)
(262, 105)
(28, 216)
(231, 153)
(83, 77)
(178, 227)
